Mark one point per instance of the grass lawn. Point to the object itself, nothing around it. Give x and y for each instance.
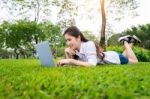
(25, 79)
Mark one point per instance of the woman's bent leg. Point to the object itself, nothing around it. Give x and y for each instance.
(129, 53)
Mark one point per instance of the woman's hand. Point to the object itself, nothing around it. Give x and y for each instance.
(74, 62)
(70, 51)
(64, 62)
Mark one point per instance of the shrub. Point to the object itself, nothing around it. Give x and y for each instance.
(142, 54)
(59, 52)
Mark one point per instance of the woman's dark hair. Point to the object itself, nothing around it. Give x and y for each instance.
(100, 54)
(75, 32)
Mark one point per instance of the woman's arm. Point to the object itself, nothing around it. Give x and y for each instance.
(75, 62)
(80, 63)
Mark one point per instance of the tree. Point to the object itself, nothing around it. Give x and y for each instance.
(141, 31)
(115, 4)
(1, 38)
(4, 29)
(41, 10)
(90, 36)
(28, 9)
(12, 37)
(113, 40)
(22, 35)
(102, 40)
(67, 13)
(54, 36)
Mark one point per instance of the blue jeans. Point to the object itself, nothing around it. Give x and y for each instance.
(123, 59)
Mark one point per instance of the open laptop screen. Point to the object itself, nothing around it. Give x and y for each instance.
(45, 55)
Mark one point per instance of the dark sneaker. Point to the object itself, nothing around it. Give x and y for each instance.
(135, 39)
(125, 38)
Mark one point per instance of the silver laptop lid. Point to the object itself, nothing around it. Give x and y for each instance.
(45, 55)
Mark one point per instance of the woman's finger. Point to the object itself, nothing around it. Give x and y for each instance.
(73, 52)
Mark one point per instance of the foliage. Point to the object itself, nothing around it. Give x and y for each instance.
(59, 52)
(142, 54)
(27, 79)
(121, 8)
(90, 36)
(113, 40)
(5, 54)
(67, 13)
(141, 31)
(42, 10)
(1, 38)
(22, 35)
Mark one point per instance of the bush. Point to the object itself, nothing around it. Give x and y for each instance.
(58, 52)
(142, 54)
(6, 54)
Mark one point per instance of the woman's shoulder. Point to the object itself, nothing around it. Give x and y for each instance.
(89, 45)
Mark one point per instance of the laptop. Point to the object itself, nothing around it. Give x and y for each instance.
(45, 54)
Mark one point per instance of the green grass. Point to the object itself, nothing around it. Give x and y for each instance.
(25, 79)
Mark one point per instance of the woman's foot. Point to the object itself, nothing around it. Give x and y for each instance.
(135, 39)
(125, 38)
(130, 39)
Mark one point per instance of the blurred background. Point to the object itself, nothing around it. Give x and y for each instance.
(24, 23)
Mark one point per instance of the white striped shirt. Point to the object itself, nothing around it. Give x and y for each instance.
(87, 53)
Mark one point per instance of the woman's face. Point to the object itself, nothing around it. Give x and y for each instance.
(73, 42)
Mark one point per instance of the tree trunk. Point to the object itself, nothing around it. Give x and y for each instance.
(102, 39)
(36, 39)
(37, 11)
(16, 54)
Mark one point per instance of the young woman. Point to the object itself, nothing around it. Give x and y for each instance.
(83, 52)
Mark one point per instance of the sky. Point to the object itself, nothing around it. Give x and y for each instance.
(127, 22)
(143, 18)
(94, 24)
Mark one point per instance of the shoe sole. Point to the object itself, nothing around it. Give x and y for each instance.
(136, 38)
